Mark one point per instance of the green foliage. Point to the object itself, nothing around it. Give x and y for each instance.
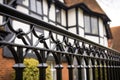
(31, 72)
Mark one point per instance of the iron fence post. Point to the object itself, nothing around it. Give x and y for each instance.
(80, 67)
(88, 72)
(108, 71)
(93, 70)
(42, 71)
(70, 69)
(59, 68)
(19, 67)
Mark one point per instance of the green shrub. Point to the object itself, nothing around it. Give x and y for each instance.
(31, 72)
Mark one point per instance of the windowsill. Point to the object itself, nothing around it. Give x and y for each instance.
(92, 34)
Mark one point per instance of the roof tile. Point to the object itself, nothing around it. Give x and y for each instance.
(91, 4)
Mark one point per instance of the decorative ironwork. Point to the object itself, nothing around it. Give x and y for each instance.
(89, 55)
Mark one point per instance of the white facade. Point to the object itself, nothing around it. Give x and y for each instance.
(71, 17)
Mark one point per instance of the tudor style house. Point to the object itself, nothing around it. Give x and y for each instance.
(84, 18)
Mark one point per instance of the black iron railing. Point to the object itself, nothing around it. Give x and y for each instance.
(92, 59)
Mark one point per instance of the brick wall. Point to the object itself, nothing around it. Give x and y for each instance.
(65, 71)
(5, 67)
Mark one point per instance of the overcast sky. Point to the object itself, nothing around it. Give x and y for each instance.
(112, 9)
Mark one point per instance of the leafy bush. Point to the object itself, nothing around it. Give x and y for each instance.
(31, 72)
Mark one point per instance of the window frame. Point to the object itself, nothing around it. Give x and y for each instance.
(90, 24)
(35, 13)
(36, 8)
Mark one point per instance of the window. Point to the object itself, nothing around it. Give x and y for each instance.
(94, 25)
(58, 15)
(91, 24)
(35, 6)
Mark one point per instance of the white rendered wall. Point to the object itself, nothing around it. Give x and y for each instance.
(105, 37)
(45, 19)
(45, 7)
(81, 32)
(26, 2)
(81, 22)
(101, 27)
(92, 38)
(63, 17)
(105, 42)
(73, 30)
(23, 26)
(80, 18)
(71, 17)
(22, 9)
(52, 12)
(60, 37)
(102, 41)
(45, 10)
(101, 31)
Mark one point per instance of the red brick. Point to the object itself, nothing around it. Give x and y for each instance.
(5, 67)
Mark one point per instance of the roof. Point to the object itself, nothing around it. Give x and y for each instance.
(91, 4)
(116, 37)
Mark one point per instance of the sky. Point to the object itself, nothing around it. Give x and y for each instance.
(112, 9)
